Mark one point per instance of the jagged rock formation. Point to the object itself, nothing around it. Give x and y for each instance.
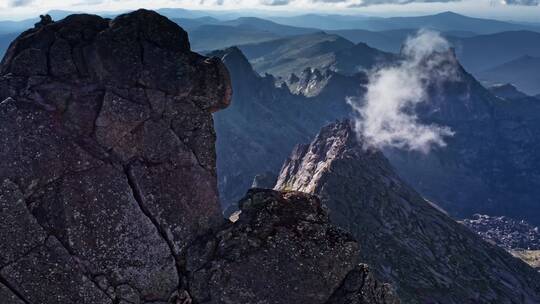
(107, 159)
(312, 83)
(505, 232)
(426, 255)
(280, 243)
(267, 122)
(108, 186)
(361, 287)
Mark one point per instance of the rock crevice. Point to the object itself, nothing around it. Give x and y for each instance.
(86, 98)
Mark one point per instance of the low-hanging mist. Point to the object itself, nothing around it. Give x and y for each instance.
(386, 115)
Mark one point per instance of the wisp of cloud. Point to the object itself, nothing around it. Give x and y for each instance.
(386, 115)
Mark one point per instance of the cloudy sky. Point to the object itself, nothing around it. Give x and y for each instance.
(524, 10)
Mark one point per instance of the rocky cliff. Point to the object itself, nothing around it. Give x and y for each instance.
(107, 159)
(327, 84)
(282, 249)
(108, 187)
(426, 255)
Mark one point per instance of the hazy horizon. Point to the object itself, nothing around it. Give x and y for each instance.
(508, 10)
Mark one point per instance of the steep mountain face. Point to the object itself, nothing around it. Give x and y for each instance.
(322, 51)
(266, 121)
(108, 188)
(96, 112)
(492, 152)
(426, 255)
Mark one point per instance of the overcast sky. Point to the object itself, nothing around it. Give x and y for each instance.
(526, 10)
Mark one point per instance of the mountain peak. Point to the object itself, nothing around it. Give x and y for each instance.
(399, 232)
(449, 14)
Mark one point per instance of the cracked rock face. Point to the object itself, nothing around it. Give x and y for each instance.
(427, 256)
(282, 249)
(107, 159)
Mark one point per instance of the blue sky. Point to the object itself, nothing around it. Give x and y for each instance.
(524, 10)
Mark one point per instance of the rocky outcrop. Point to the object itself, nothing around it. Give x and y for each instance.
(282, 249)
(361, 287)
(108, 186)
(107, 158)
(327, 84)
(407, 242)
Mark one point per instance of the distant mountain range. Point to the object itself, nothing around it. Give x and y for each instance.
(507, 91)
(5, 40)
(320, 50)
(209, 33)
(391, 40)
(489, 57)
(523, 72)
(483, 52)
(481, 44)
(447, 21)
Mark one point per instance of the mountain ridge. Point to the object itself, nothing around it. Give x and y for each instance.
(429, 257)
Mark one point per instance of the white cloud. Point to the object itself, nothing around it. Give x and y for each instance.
(386, 116)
